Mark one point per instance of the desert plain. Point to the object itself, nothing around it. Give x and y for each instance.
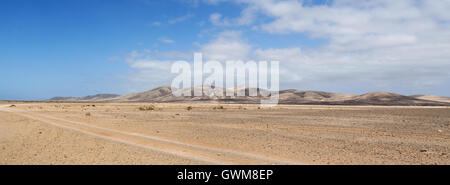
(211, 133)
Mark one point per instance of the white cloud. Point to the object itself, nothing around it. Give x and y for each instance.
(142, 60)
(216, 19)
(247, 17)
(438, 9)
(180, 19)
(347, 22)
(214, 1)
(382, 42)
(227, 46)
(174, 55)
(402, 44)
(166, 40)
(156, 23)
(147, 72)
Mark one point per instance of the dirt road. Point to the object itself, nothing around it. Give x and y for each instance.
(188, 151)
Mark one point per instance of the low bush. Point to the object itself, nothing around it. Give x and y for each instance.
(147, 108)
(218, 107)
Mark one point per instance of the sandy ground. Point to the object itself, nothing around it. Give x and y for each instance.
(120, 133)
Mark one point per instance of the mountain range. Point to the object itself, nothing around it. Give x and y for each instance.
(290, 96)
(97, 97)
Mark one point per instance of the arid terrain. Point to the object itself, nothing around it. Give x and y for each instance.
(212, 133)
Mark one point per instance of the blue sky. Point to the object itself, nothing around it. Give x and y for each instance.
(83, 47)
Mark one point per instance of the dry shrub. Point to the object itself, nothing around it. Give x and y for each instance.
(147, 108)
(218, 107)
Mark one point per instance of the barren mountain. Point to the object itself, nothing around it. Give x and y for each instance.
(387, 98)
(432, 98)
(64, 98)
(293, 96)
(164, 94)
(97, 97)
(150, 95)
(290, 96)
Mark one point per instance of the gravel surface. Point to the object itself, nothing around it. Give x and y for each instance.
(121, 133)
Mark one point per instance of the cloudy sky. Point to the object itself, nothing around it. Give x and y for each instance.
(82, 47)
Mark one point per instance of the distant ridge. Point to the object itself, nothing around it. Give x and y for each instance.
(290, 96)
(432, 98)
(97, 97)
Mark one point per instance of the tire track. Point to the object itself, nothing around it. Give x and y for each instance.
(206, 154)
